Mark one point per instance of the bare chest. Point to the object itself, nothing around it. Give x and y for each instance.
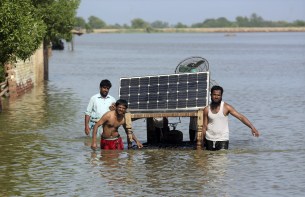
(114, 123)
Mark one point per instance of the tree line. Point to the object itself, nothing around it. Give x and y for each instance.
(26, 24)
(253, 21)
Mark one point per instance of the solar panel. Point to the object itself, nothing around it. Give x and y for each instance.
(175, 92)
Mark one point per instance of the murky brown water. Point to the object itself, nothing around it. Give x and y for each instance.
(44, 151)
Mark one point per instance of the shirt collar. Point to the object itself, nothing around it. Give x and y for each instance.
(100, 96)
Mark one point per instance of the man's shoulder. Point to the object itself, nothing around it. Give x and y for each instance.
(110, 114)
(110, 97)
(206, 109)
(94, 97)
(98, 95)
(225, 104)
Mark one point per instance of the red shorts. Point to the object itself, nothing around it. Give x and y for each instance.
(112, 144)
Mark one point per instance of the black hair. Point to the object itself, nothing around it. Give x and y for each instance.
(121, 102)
(105, 83)
(217, 88)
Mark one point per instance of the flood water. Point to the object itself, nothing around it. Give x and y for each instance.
(44, 151)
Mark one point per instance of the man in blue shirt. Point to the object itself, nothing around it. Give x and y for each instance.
(98, 105)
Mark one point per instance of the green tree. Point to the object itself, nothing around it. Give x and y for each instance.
(88, 28)
(299, 23)
(242, 21)
(219, 22)
(196, 25)
(96, 23)
(126, 26)
(159, 24)
(25, 24)
(21, 31)
(180, 25)
(59, 16)
(80, 22)
(223, 22)
(139, 23)
(256, 21)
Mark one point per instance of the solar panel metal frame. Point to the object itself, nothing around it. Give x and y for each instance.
(166, 93)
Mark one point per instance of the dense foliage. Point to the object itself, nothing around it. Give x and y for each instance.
(96, 23)
(139, 23)
(26, 24)
(59, 17)
(21, 30)
(240, 21)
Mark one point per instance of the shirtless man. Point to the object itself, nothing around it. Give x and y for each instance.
(111, 121)
(215, 121)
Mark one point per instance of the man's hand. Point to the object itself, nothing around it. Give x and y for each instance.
(130, 137)
(87, 130)
(139, 144)
(255, 132)
(112, 107)
(93, 146)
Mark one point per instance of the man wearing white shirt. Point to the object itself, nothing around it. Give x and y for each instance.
(98, 105)
(215, 128)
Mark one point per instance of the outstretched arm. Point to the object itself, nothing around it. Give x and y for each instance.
(131, 136)
(243, 119)
(139, 144)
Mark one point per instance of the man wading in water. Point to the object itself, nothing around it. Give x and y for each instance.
(215, 121)
(111, 121)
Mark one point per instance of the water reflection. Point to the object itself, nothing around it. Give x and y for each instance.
(195, 173)
(44, 150)
(24, 124)
(42, 107)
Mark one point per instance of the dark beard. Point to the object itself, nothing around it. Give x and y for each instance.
(214, 104)
(103, 95)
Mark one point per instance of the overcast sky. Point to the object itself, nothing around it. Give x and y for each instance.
(190, 11)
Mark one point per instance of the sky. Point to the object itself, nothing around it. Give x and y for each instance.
(190, 11)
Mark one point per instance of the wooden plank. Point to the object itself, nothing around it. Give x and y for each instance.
(198, 113)
(129, 129)
(199, 128)
(165, 114)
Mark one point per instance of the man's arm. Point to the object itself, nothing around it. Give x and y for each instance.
(104, 118)
(242, 118)
(87, 128)
(131, 136)
(205, 123)
(88, 115)
(139, 144)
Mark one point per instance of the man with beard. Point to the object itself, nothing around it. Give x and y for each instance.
(111, 121)
(215, 121)
(98, 105)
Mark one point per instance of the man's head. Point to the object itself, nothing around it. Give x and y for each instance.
(105, 86)
(121, 102)
(216, 94)
(217, 88)
(121, 106)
